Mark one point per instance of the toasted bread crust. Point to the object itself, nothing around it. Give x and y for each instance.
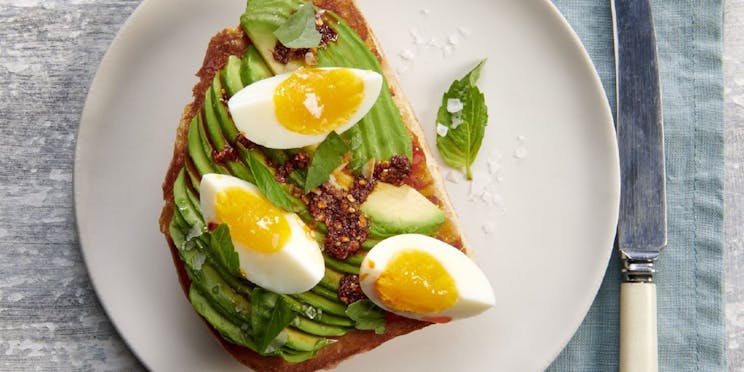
(233, 41)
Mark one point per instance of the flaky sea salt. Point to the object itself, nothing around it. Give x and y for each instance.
(520, 152)
(442, 130)
(454, 177)
(456, 120)
(198, 261)
(454, 105)
(488, 227)
(406, 55)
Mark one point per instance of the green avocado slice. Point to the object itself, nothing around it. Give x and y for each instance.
(394, 210)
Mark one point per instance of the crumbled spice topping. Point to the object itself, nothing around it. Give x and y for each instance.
(339, 211)
(394, 171)
(228, 153)
(349, 290)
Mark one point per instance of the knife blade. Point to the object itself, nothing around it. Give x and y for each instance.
(642, 225)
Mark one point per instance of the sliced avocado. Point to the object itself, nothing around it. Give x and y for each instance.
(214, 128)
(331, 279)
(302, 341)
(325, 318)
(325, 292)
(340, 265)
(394, 210)
(260, 20)
(253, 67)
(207, 148)
(226, 328)
(176, 233)
(183, 204)
(329, 306)
(318, 329)
(231, 75)
(202, 162)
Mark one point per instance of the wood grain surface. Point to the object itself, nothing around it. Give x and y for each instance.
(50, 318)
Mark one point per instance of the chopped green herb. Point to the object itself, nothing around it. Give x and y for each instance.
(327, 157)
(270, 314)
(367, 316)
(221, 243)
(461, 122)
(299, 30)
(269, 186)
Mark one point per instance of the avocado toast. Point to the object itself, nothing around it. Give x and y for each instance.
(385, 162)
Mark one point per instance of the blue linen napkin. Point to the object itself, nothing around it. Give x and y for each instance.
(691, 323)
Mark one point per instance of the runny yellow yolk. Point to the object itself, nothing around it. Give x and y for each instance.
(314, 101)
(416, 282)
(253, 221)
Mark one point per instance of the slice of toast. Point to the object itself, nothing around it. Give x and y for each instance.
(233, 41)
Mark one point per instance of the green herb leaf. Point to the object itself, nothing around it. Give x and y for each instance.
(222, 245)
(299, 30)
(367, 316)
(270, 187)
(270, 314)
(327, 157)
(465, 128)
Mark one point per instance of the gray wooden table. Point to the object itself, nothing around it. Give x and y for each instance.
(50, 318)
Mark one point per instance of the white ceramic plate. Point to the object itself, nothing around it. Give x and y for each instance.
(548, 163)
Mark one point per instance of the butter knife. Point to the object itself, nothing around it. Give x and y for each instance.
(642, 226)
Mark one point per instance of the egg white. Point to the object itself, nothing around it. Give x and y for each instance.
(295, 268)
(253, 111)
(475, 294)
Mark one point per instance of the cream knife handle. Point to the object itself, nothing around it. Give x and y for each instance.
(638, 342)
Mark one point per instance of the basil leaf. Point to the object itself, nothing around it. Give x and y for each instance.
(221, 244)
(327, 157)
(460, 142)
(270, 187)
(270, 314)
(299, 30)
(367, 316)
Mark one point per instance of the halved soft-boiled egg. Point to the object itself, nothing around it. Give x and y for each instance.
(277, 251)
(300, 108)
(419, 277)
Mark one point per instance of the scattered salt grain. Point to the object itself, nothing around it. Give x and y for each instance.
(454, 177)
(447, 51)
(521, 138)
(454, 105)
(488, 228)
(456, 120)
(453, 40)
(442, 130)
(434, 42)
(406, 55)
(424, 11)
(463, 31)
(198, 261)
(195, 231)
(520, 152)
(416, 36)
